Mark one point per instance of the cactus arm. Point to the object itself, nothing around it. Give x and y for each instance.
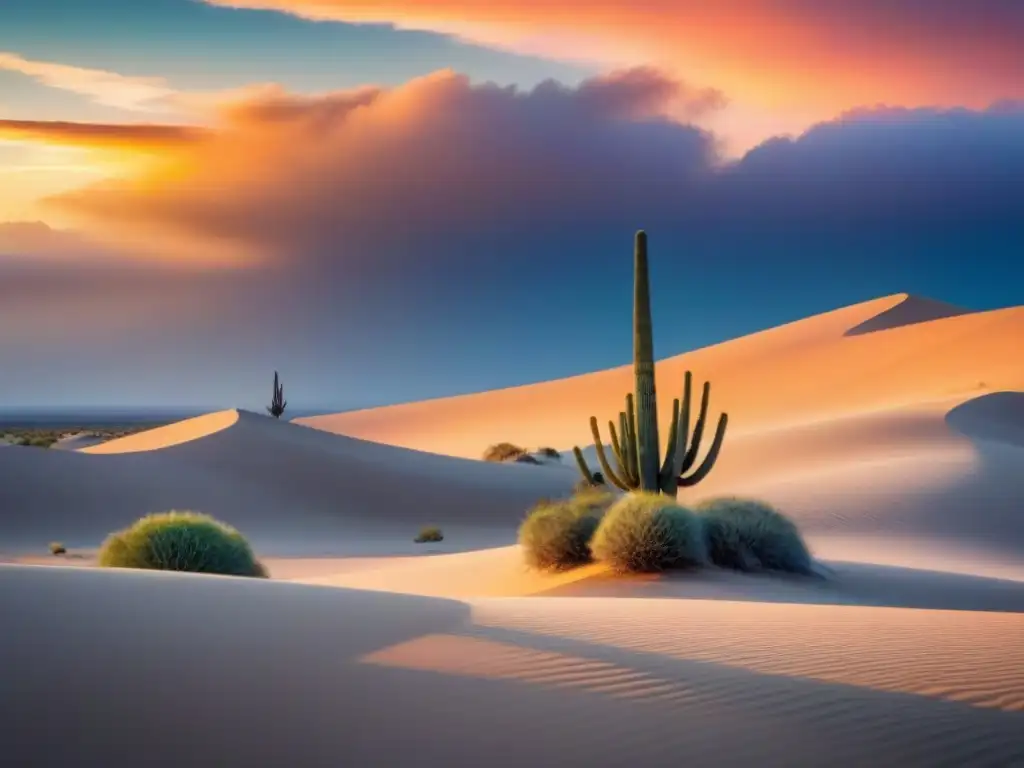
(582, 464)
(666, 480)
(627, 453)
(683, 427)
(711, 458)
(603, 459)
(670, 444)
(698, 429)
(632, 451)
(624, 443)
(616, 444)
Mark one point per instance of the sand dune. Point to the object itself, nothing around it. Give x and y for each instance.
(896, 420)
(291, 489)
(799, 373)
(172, 434)
(200, 670)
(891, 431)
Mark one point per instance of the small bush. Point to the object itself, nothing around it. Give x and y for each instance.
(549, 453)
(649, 532)
(525, 458)
(181, 541)
(504, 452)
(750, 535)
(56, 548)
(556, 533)
(430, 533)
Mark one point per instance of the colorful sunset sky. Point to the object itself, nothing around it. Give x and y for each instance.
(389, 200)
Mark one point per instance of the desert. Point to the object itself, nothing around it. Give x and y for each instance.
(891, 432)
(560, 384)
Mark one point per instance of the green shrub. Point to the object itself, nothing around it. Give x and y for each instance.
(428, 534)
(750, 535)
(181, 541)
(648, 532)
(504, 452)
(56, 548)
(556, 534)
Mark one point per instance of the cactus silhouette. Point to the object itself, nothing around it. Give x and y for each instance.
(278, 403)
(638, 465)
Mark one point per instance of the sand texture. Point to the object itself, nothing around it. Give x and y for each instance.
(892, 432)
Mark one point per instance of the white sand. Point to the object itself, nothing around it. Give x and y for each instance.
(891, 431)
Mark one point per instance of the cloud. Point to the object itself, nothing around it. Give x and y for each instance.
(140, 137)
(147, 94)
(816, 57)
(37, 240)
(438, 214)
(355, 175)
(293, 174)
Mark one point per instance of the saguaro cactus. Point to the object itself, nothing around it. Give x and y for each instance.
(278, 403)
(635, 445)
(643, 370)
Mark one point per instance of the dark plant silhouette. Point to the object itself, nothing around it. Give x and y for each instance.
(278, 404)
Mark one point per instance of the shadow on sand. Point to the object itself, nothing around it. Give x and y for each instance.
(848, 584)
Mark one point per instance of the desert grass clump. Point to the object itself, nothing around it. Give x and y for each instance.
(181, 541)
(504, 452)
(750, 535)
(649, 532)
(556, 534)
(429, 534)
(57, 548)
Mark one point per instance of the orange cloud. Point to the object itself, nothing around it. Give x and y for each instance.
(360, 177)
(140, 137)
(282, 173)
(808, 57)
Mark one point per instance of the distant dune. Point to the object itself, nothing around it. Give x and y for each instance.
(811, 370)
(291, 489)
(892, 432)
(841, 419)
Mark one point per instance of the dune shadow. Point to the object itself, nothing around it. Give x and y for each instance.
(913, 310)
(848, 584)
(998, 417)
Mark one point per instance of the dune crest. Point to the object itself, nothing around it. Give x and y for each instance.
(172, 434)
(804, 371)
(911, 310)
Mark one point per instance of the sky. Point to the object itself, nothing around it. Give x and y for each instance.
(394, 200)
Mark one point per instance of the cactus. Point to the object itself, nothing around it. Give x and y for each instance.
(635, 449)
(278, 403)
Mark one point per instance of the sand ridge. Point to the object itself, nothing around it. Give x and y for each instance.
(892, 432)
(168, 435)
(806, 370)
